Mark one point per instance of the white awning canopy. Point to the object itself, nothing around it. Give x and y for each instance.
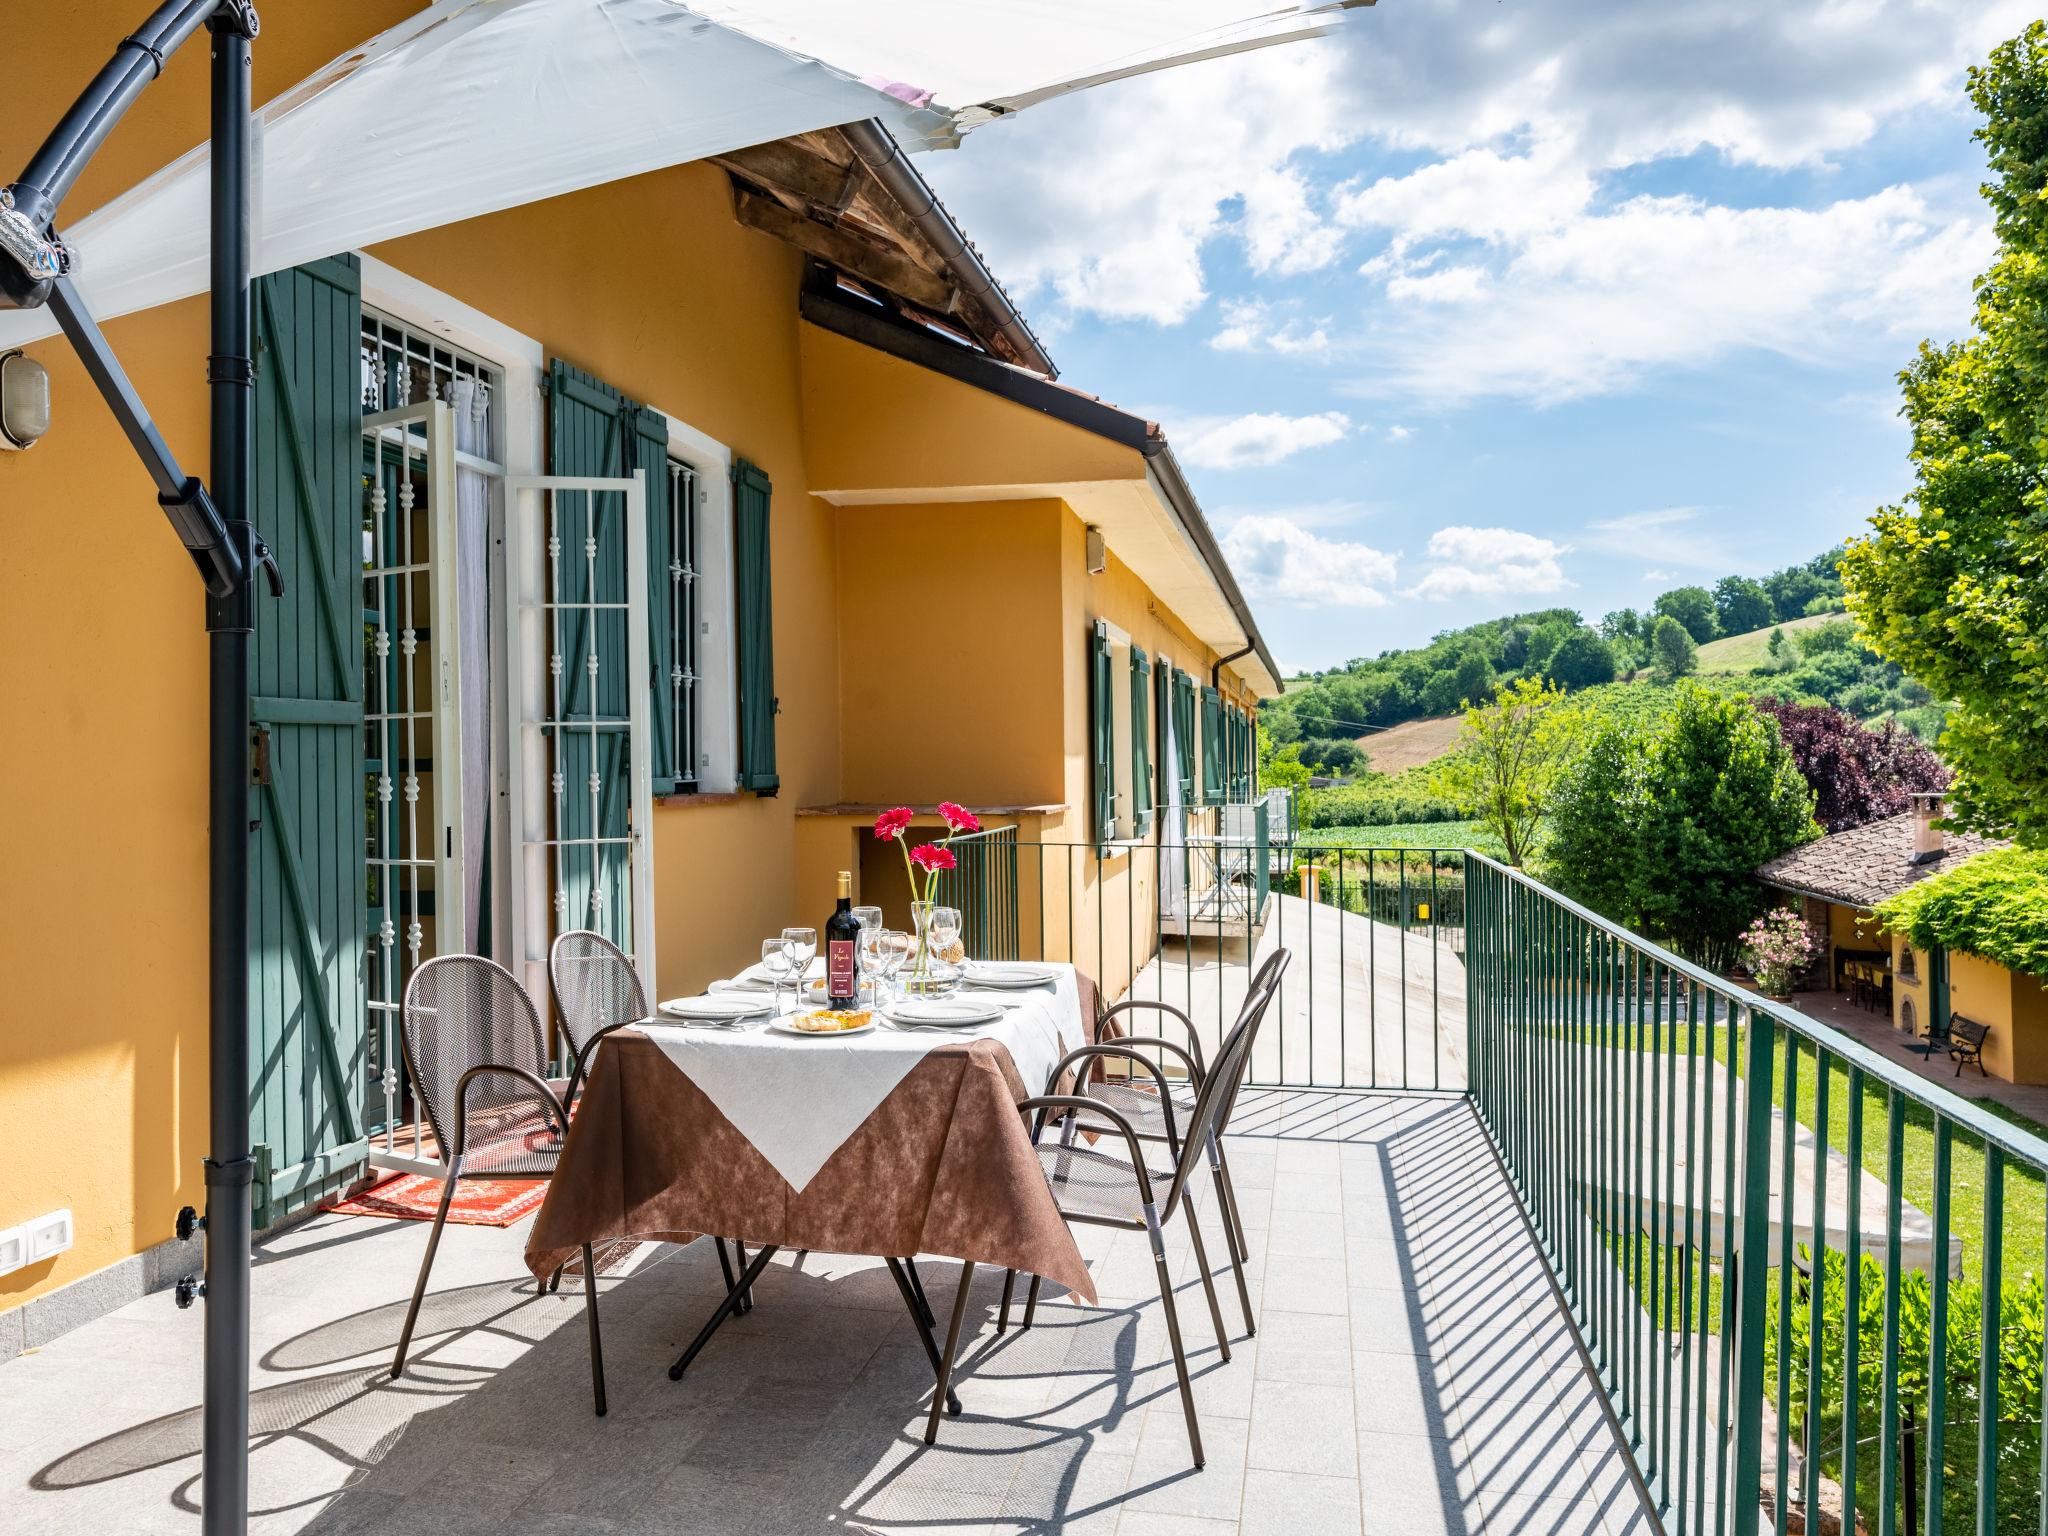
(477, 105)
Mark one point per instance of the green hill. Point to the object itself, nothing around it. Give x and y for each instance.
(1745, 653)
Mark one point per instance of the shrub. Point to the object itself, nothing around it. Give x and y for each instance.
(1776, 948)
(1857, 774)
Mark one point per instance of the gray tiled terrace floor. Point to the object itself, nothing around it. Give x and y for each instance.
(1411, 1374)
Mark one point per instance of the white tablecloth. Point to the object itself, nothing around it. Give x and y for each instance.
(798, 1099)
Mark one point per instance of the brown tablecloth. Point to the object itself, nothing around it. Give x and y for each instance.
(944, 1165)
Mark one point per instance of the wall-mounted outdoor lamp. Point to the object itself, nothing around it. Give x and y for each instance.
(24, 400)
(1098, 552)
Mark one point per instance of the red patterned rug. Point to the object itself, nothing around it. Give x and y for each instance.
(478, 1202)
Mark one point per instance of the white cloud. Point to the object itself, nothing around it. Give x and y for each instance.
(1656, 575)
(1275, 560)
(1260, 438)
(1519, 118)
(1105, 203)
(1249, 326)
(1490, 562)
(1597, 302)
(1670, 535)
(1399, 434)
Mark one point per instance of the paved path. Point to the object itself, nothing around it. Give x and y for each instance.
(1411, 1374)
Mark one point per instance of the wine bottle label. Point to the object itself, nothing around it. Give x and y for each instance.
(839, 967)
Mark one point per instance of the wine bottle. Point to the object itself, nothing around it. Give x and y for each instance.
(842, 948)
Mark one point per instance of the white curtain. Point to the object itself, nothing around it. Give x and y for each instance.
(470, 401)
(1173, 823)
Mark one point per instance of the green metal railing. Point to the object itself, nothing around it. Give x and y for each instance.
(1803, 1274)
(983, 885)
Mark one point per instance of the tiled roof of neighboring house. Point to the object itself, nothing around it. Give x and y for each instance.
(1861, 867)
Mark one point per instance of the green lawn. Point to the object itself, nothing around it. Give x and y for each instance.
(1745, 653)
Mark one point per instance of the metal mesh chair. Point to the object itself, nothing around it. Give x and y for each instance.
(1158, 1112)
(596, 991)
(1099, 1189)
(478, 1059)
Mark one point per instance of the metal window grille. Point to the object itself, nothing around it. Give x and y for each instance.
(399, 368)
(684, 621)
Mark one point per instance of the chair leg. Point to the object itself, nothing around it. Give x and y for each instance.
(1180, 1358)
(1226, 1198)
(931, 1428)
(1223, 1204)
(747, 1295)
(1003, 1313)
(1208, 1282)
(596, 1344)
(1031, 1301)
(724, 1262)
(419, 1290)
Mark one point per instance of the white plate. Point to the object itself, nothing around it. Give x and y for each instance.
(943, 1013)
(1000, 974)
(719, 1007)
(784, 1027)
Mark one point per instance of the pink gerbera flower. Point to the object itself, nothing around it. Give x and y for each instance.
(958, 817)
(893, 823)
(932, 857)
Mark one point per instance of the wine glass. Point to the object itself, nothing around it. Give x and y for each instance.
(803, 946)
(868, 917)
(896, 952)
(869, 948)
(775, 965)
(944, 931)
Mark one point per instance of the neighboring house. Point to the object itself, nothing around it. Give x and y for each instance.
(880, 557)
(1841, 878)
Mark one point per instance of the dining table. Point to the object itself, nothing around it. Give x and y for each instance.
(893, 1142)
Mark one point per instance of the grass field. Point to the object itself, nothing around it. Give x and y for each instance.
(1411, 743)
(1406, 834)
(1745, 653)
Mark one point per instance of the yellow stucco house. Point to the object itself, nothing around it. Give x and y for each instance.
(877, 554)
(1841, 878)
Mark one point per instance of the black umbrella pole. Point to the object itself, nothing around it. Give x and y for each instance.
(224, 1466)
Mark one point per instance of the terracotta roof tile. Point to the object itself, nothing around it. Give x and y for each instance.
(1861, 867)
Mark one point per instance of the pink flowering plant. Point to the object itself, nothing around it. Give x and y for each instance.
(1776, 948)
(933, 858)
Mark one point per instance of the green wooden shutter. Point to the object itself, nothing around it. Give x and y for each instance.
(308, 900)
(1141, 743)
(595, 430)
(1102, 735)
(646, 447)
(1212, 747)
(1184, 734)
(753, 571)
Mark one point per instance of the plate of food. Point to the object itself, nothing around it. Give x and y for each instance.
(820, 1023)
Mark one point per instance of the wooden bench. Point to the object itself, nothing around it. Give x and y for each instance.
(1966, 1042)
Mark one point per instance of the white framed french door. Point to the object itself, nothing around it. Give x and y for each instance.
(581, 787)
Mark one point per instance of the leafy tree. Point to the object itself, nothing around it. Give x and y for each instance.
(1835, 635)
(1741, 605)
(1473, 678)
(1440, 694)
(1791, 590)
(1331, 755)
(1514, 648)
(1857, 774)
(1951, 587)
(1581, 660)
(1280, 764)
(1622, 624)
(1779, 652)
(1672, 650)
(1513, 750)
(1694, 608)
(1662, 825)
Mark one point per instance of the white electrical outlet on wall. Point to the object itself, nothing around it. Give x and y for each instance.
(48, 1235)
(33, 1241)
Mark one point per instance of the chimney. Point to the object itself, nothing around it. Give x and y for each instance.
(1928, 842)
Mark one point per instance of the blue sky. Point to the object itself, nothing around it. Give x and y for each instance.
(1479, 307)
